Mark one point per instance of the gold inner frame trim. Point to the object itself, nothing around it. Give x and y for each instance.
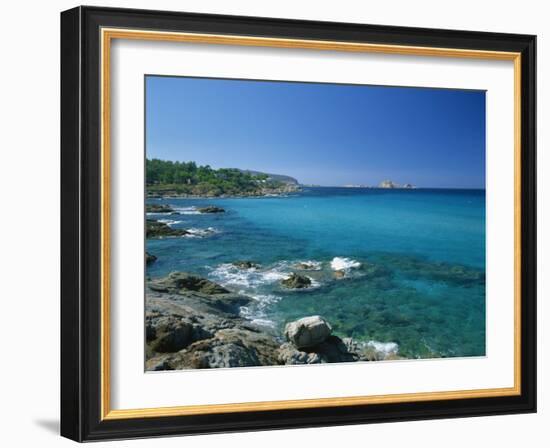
(107, 35)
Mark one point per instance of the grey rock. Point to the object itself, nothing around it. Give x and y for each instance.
(168, 334)
(156, 229)
(288, 354)
(158, 208)
(296, 281)
(232, 347)
(246, 265)
(158, 364)
(231, 355)
(331, 350)
(339, 273)
(182, 281)
(307, 332)
(203, 331)
(210, 209)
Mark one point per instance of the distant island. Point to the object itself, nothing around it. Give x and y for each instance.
(165, 178)
(383, 184)
(391, 184)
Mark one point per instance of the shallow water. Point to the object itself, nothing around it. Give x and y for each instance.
(414, 261)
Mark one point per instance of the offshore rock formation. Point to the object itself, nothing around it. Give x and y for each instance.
(181, 282)
(150, 258)
(210, 209)
(157, 229)
(245, 264)
(391, 184)
(158, 208)
(296, 281)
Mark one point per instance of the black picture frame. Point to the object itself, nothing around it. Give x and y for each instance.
(81, 224)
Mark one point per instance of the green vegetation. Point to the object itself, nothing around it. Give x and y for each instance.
(187, 178)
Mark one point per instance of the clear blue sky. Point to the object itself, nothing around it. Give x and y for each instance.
(326, 134)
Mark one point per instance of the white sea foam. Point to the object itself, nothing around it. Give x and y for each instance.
(187, 210)
(193, 232)
(388, 348)
(263, 322)
(169, 222)
(229, 275)
(309, 265)
(343, 264)
(255, 312)
(314, 283)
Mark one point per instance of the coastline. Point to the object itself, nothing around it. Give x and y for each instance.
(301, 188)
(211, 190)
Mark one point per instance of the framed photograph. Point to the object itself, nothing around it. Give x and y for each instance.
(272, 223)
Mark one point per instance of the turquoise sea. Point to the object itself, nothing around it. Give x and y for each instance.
(413, 261)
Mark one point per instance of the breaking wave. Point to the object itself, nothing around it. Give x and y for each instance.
(344, 264)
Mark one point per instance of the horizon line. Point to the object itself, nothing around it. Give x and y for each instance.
(365, 187)
(312, 185)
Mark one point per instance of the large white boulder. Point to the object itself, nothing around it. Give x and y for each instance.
(308, 331)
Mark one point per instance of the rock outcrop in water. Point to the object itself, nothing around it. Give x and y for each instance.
(156, 229)
(308, 266)
(158, 208)
(181, 282)
(296, 281)
(150, 258)
(246, 265)
(210, 209)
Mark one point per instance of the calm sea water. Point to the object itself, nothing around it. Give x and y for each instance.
(414, 261)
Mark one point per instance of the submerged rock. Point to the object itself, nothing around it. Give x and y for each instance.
(296, 281)
(156, 229)
(339, 274)
(183, 281)
(456, 274)
(373, 350)
(246, 265)
(210, 209)
(158, 208)
(307, 332)
(308, 266)
(150, 258)
(375, 270)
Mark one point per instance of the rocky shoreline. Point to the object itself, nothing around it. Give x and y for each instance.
(283, 190)
(193, 323)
